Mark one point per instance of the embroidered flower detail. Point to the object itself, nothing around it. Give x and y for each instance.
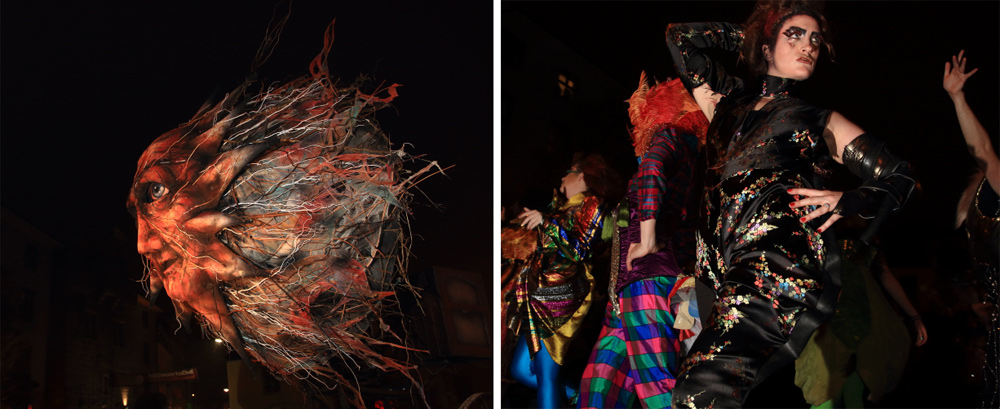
(757, 231)
(787, 321)
(776, 87)
(727, 319)
(699, 356)
(688, 402)
(800, 136)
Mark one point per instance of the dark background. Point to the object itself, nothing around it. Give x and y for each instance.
(87, 86)
(886, 78)
(889, 62)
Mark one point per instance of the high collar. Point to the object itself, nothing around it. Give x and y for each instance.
(573, 201)
(777, 87)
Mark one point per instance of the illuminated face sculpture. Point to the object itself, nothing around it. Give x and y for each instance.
(278, 220)
(174, 199)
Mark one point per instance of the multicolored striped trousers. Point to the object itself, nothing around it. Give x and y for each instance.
(636, 355)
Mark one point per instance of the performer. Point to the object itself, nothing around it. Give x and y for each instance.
(637, 350)
(551, 288)
(980, 210)
(865, 343)
(762, 236)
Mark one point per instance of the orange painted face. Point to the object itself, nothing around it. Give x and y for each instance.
(278, 226)
(179, 182)
(282, 225)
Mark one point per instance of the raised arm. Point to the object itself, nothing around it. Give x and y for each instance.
(975, 135)
(705, 79)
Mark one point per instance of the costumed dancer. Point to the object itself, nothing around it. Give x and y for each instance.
(979, 209)
(550, 286)
(637, 351)
(865, 344)
(763, 240)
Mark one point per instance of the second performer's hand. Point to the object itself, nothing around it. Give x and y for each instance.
(638, 250)
(955, 75)
(824, 200)
(530, 218)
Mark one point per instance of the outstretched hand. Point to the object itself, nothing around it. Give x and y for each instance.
(955, 75)
(824, 200)
(530, 218)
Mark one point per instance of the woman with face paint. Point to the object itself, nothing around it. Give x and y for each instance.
(763, 239)
(551, 288)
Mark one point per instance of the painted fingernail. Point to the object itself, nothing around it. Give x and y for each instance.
(789, 190)
(820, 229)
(792, 204)
(802, 219)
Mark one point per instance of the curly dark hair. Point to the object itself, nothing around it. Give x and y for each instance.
(602, 180)
(761, 28)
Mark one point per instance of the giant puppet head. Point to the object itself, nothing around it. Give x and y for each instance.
(278, 220)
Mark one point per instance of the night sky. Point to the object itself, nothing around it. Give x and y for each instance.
(87, 86)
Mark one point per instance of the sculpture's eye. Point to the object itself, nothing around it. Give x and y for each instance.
(156, 191)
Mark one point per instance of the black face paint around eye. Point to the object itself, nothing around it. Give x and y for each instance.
(794, 33)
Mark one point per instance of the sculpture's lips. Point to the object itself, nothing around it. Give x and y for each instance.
(163, 265)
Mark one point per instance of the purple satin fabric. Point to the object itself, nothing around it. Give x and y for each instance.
(661, 263)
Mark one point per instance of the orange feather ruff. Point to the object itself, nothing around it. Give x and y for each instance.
(664, 104)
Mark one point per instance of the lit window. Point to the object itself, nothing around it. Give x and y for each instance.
(566, 86)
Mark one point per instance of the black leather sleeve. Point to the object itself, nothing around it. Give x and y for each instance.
(887, 184)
